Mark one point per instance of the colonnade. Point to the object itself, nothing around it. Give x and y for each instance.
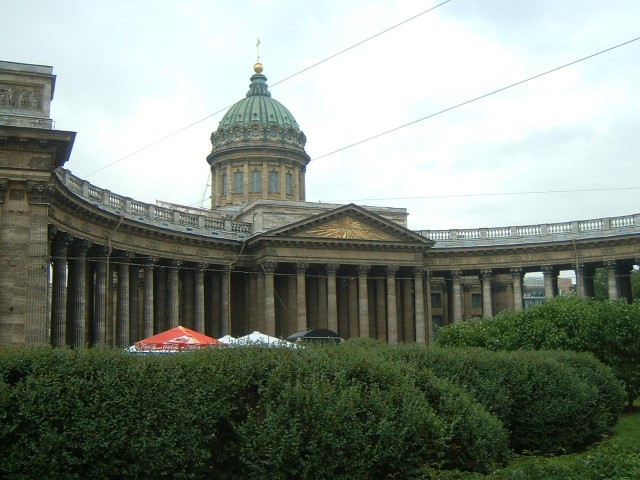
(101, 296)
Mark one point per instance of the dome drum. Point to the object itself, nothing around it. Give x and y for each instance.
(257, 151)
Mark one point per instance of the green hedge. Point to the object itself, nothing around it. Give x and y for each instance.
(333, 412)
(610, 330)
(550, 402)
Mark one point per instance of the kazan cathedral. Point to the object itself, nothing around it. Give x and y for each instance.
(83, 266)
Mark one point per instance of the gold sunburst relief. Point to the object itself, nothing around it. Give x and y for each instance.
(347, 228)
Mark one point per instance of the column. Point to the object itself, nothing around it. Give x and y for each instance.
(381, 310)
(363, 301)
(147, 305)
(332, 298)
(322, 302)
(289, 321)
(421, 324)
(516, 273)
(429, 309)
(392, 311)
(352, 304)
(456, 294)
(135, 322)
(173, 305)
(160, 299)
(581, 280)
(614, 284)
(252, 307)
(301, 297)
(408, 324)
(186, 293)
(549, 273)
(59, 290)
(123, 313)
(37, 319)
(79, 334)
(260, 296)
(485, 278)
(198, 324)
(215, 328)
(269, 300)
(225, 299)
(101, 303)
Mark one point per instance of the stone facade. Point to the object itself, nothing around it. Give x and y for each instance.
(83, 266)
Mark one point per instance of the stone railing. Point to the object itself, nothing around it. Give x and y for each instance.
(546, 232)
(206, 223)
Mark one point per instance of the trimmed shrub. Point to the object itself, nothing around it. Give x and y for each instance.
(610, 330)
(550, 402)
(328, 412)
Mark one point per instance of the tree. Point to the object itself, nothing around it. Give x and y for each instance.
(610, 330)
(601, 284)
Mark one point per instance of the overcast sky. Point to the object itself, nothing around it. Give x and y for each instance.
(132, 72)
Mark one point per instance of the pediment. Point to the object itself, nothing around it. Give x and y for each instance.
(346, 227)
(350, 224)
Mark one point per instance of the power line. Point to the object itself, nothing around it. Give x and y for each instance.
(497, 194)
(166, 137)
(378, 135)
(466, 103)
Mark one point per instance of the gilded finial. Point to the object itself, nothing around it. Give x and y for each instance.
(258, 66)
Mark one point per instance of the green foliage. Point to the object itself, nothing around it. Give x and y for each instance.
(601, 284)
(549, 402)
(635, 284)
(615, 458)
(610, 330)
(326, 412)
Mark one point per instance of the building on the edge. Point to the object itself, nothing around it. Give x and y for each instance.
(83, 266)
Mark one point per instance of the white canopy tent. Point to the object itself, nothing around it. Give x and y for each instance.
(257, 338)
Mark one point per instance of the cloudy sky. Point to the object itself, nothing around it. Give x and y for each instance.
(130, 73)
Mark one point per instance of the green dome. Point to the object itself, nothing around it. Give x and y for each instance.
(258, 118)
(258, 108)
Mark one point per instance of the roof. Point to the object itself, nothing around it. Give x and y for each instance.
(258, 108)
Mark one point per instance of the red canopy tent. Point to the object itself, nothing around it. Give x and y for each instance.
(178, 338)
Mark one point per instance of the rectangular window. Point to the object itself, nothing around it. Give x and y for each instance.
(223, 184)
(255, 181)
(289, 183)
(476, 300)
(273, 182)
(237, 183)
(436, 300)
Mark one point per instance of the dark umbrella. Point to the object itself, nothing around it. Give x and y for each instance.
(319, 335)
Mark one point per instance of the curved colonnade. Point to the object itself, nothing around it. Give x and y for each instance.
(122, 270)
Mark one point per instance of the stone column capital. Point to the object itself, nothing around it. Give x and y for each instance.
(391, 270)
(363, 269)
(516, 271)
(40, 192)
(456, 274)
(269, 267)
(81, 247)
(332, 268)
(419, 271)
(548, 270)
(610, 264)
(150, 261)
(200, 266)
(62, 241)
(486, 273)
(301, 268)
(176, 263)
